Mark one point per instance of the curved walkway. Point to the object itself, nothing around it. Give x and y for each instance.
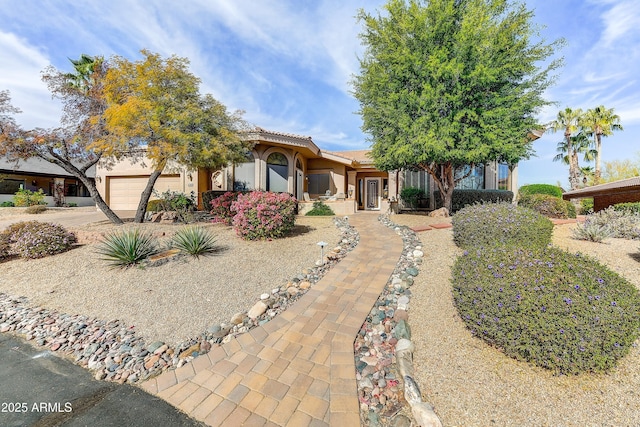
(298, 369)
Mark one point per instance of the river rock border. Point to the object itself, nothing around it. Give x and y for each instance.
(383, 349)
(113, 351)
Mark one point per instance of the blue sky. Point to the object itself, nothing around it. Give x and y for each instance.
(288, 64)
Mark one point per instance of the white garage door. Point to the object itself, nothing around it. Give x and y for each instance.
(124, 192)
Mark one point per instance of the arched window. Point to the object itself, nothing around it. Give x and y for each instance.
(277, 173)
(244, 174)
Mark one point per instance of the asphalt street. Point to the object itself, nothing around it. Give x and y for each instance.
(38, 388)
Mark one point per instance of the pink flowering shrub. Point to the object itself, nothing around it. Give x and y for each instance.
(34, 239)
(221, 207)
(263, 215)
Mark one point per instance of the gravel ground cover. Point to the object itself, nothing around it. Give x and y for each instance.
(178, 299)
(473, 384)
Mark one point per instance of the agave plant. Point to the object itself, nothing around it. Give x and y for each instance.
(126, 248)
(194, 240)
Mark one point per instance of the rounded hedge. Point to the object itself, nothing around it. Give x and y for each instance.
(549, 206)
(500, 223)
(551, 190)
(561, 311)
(34, 239)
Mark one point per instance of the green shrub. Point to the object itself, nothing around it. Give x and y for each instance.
(551, 190)
(462, 198)
(592, 231)
(154, 205)
(34, 239)
(320, 209)
(549, 206)
(411, 196)
(194, 240)
(630, 208)
(7, 204)
(622, 224)
(560, 311)
(586, 206)
(571, 209)
(36, 209)
(71, 205)
(28, 198)
(180, 203)
(126, 248)
(500, 223)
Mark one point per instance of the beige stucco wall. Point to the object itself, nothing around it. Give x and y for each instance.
(127, 168)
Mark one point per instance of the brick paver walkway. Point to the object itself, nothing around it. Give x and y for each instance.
(298, 369)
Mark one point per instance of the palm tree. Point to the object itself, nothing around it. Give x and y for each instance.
(600, 122)
(568, 120)
(84, 69)
(580, 144)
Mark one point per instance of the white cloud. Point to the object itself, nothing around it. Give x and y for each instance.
(20, 67)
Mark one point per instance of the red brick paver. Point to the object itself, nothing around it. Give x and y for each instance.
(297, 369)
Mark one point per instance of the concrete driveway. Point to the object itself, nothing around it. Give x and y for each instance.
(67, 217)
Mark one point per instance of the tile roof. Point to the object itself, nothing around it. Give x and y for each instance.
(360, 156)
(289, 135)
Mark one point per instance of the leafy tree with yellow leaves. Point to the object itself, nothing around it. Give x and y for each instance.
(158, 114)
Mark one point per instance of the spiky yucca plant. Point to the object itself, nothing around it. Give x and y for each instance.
(194, 240)
(126, 248)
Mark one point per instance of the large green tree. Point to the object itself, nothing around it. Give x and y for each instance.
(600, 122)
(157, 111)
(444, 83)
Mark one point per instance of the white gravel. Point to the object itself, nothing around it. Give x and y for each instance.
(472, 384)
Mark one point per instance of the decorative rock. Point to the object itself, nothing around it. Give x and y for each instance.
(238, 318)
(161, 349)
(257, 310)
(154, 346)
(412, 271)
(191, 350)
(304, 285)
(264, 296)
(152, 361)
(292, 291)
(418, 254)
(401, 421)
(402, 330)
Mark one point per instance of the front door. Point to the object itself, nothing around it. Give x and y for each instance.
(372, 194)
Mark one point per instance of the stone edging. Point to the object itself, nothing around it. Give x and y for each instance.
(115, 353)
(383, 350)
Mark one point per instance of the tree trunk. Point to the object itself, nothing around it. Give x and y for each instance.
(596, 179)
(443, 175)
(574, 180)
(102, 205)
(145, 196)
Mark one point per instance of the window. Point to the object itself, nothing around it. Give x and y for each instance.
(475, 180)
(417, 179)
(245, 175)
(503, 176)
(319, 183)
(11, 186)
(277, 173)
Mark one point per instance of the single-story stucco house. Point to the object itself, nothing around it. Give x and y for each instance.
(283, 162)
(608, 194)
(35, 174)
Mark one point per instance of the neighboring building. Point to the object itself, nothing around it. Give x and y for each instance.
(608, 194)
(282, 162)
(35, 174)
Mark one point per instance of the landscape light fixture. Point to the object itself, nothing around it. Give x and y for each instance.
(322, 245)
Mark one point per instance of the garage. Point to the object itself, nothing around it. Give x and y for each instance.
(123, 192)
